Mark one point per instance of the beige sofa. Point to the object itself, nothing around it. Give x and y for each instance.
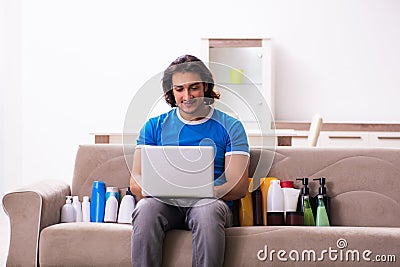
(365, 209)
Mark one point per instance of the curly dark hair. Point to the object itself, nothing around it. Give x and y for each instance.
(189, 63)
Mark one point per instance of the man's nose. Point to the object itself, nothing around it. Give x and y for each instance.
(186, 94)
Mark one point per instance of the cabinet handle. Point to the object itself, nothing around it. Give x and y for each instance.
(344, 137)
(389, 137)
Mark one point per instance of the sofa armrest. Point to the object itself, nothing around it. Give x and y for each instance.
(31, 209)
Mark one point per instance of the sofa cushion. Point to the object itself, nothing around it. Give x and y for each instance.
(85, 244)
(108, 244)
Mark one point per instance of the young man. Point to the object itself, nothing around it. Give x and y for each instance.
(188, 88)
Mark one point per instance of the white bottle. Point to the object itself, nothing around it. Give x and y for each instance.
(86, 209)
(78, 208)
(110, 214)
(275, 199)
(126, 208)
(68, 211)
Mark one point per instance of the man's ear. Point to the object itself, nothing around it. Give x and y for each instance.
(205, 87)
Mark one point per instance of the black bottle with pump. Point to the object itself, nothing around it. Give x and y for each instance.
(325, 197)
(305, 191)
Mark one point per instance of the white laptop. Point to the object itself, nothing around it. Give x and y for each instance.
(178, 171)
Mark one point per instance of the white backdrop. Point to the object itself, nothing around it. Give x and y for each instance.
(73, 66)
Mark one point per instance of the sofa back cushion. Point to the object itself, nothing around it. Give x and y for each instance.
(363, 183)
(102, 162)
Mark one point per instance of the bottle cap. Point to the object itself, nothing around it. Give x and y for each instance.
(85, 199)
(68, 200)
(75, 198)
(287, 184)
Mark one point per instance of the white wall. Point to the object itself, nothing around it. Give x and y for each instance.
(75, 65)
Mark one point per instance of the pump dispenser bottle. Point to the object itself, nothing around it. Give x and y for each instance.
(325, 197)
(305, 191)
(322, 216)
(68, 211)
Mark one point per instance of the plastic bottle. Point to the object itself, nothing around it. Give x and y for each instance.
(325, 197)
(257, 207)
(126, 208)
(275, 204)
(111, 211)
(322, 216)
(98, 202)
(78, 208)
(308, 214)
(264, 186)
(305, 191)
(68, 211)
(246, 207)
(86, 209)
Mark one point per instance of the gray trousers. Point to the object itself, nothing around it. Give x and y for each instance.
(207, 221)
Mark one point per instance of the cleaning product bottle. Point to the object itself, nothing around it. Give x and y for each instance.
(86, 209)
(68, 211)
(305, 191)
(111, 211)
(246, 207)
(275, 204)
(264, 186)
(98, 202)
(78, 208)
(322, 216)
(308, 214)
(257, 207)
(126, 208)
(325, 197)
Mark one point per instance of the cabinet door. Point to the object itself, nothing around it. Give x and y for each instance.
(343, 139)
(384, 139)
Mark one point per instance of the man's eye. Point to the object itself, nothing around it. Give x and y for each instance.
(194, 88)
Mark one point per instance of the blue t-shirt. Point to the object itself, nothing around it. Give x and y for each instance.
(225, 133)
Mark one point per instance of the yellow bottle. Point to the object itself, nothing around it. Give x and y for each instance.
(246, 207)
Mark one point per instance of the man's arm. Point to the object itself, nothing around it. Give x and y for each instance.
(236, 173)
(136, 174)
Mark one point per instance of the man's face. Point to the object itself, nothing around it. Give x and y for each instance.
(188, 90)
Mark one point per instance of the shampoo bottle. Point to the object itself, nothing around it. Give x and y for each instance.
(126, 208)
(111, 211)
(86, 209)
(275, 204)
(68, 211)
(325, 197)
(308, 214)
(78, 208)
(322, 216)
(98, 202)
(305, 192)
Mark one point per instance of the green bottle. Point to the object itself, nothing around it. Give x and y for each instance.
(322, 216)
(308, 214)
